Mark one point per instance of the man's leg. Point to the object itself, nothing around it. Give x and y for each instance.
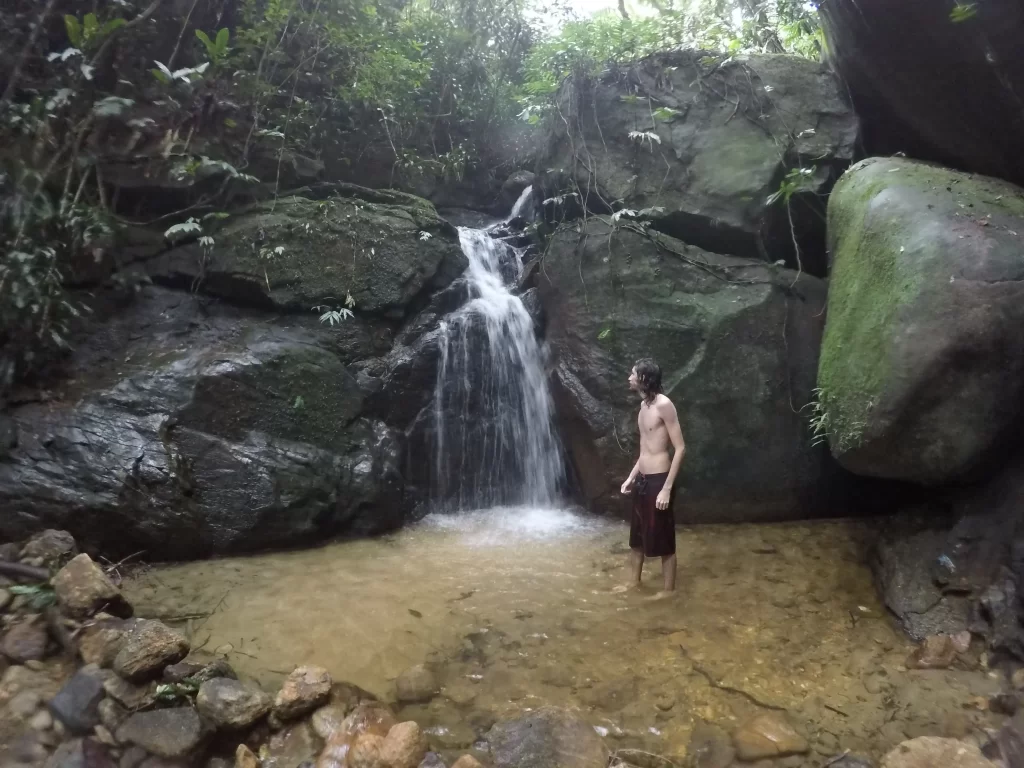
(668, 572)
(636, 559)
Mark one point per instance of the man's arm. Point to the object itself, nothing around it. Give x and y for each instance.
(667, 411)
(627, 485)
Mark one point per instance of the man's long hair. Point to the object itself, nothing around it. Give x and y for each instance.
(648, 376)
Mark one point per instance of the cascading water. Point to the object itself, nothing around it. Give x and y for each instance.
(494, 439)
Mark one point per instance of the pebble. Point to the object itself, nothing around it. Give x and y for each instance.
(24, 704)
(41, 721)
(104, 736)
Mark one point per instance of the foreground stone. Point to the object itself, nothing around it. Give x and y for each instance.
(922, 355)
(232, 704)
(370, 719)
(170, 733)
(547, 738)
(737, 343)
(83, 589)
(768, 735)
(305, 689)
(149, 647)
(76, 705)
(933, 752)
(50, 545)
(100, 642)
(25, 641)
(416, 684)
(404, 747)
(938, 651)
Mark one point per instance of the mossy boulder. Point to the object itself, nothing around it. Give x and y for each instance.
(737, 341)
(295, 253)
(186, 432)
(922, 365)
(701, 141)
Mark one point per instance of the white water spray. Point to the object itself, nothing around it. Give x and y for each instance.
(495, 442)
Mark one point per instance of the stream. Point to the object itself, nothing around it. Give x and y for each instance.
(516, 608)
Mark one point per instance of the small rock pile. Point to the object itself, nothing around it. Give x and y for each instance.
(85, 683)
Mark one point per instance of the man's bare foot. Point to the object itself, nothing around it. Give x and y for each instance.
(623, 588)
(662, 595)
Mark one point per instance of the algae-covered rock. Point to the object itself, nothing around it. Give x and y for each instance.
(296, 253)
(701, 141)
(737, 342)
(922, 359)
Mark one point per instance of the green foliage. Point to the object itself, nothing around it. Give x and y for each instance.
(797, 180)
(962, 12)
(88, 32)
(39, 596)
(176, 694)
(216, 49)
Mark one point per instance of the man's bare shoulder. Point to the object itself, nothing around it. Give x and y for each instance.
(665, 407)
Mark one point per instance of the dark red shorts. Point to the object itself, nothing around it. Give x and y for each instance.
(653, 530)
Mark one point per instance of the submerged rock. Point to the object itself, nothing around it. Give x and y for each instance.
(546, 738)
(768, 735)
(416, 684)
(922, 360)
(305, 689)
(931, 752)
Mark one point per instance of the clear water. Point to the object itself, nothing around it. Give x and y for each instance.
(515, 608)
(494, 437)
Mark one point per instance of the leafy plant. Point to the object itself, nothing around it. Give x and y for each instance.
(334, 315)
(962, 12)
(795, 181)
(88, 32)
(216, 49)
(177, 693)
(39, 595)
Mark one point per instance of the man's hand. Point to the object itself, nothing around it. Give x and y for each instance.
(626, 487)
(664, 497)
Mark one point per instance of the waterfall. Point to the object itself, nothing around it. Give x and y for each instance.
(494, 440)
(524, 198)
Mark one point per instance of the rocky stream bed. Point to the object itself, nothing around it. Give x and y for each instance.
(776, 654)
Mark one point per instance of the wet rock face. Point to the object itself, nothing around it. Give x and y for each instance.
(188, 426)
(737, 344)
(710, 163)
(209, 435)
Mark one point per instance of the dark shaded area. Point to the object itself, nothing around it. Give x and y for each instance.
(931, 87)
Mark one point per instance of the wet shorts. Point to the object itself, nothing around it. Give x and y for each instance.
(653, 530)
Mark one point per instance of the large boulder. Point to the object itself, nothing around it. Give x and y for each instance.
(936, 80)
(922, 364)
(709, 138)
(737, 342)
(296, 253)
(186, 431)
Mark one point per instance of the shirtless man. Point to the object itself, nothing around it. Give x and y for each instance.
(652, 532)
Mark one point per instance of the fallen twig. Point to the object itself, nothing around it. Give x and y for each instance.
(728, 688)
(22, 571)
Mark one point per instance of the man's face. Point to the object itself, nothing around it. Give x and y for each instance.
(634, 383)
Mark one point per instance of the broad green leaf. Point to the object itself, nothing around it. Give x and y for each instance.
(111, 25)
(223, 37)
(205, 38)
(74, 30)
(90, 25)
